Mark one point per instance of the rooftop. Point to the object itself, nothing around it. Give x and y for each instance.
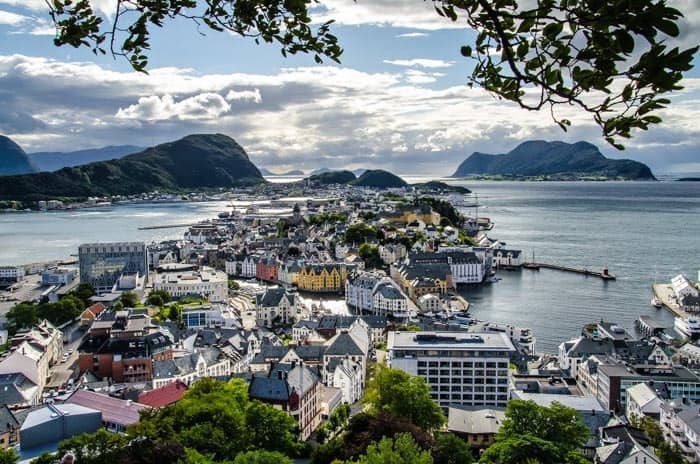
(450, 340)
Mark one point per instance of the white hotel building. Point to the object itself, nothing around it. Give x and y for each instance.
(182, 280)
(470, 369)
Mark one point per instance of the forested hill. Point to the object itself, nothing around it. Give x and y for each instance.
(193, 162)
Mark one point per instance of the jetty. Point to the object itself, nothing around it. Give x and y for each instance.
(665, 293)
(604, 274)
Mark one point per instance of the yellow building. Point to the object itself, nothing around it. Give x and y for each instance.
(421, 213)
(323, 278)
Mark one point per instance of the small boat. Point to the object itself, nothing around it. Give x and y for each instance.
(656, 302)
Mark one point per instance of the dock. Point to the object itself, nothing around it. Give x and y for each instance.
(605, 275)
(665, 293)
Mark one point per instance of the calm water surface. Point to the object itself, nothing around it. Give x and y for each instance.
(643, 231)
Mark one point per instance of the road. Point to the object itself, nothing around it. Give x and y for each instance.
(62, 371)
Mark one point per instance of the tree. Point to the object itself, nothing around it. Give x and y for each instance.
(129, 299)
(400, 450)
(8, 456)
(666, 452)
(94, 448)
(84, 292)
(262, 457)
(158, 297)
(403, 395)
(450, 449)
(610, 58)
(370, 254)
(360, 233)
(22, 315)
(530, 431)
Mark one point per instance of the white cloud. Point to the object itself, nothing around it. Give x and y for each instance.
(12, 19)
(412, 35)
(421, 63)
(252, 95)
(202, 107)
(309, 116)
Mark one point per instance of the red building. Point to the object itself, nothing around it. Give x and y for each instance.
(266, 269)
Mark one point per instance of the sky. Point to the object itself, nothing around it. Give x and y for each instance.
(399, 100)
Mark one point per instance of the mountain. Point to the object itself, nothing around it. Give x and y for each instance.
(53, 161)
(318, 171)
(13, 160)
(359, 172)
(540, 158)
(332, 177)
(293, 172)
(193, 162)
(379, 179)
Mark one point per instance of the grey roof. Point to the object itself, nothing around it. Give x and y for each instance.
(273, 297)
(306, 324)
(14, 388)
(390, 292)
(268, 388)
(7, 419)
(343, 344)
(475, 419)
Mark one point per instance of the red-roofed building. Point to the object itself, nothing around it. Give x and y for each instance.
(163, 396)
(91, 313)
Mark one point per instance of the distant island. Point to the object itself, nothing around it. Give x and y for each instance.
(375, 178)
(689, 179)
(197, 161)
(293, 172)
(53, 161)
(553, 161)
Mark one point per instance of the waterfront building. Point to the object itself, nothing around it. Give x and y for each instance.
(460, 368)
(359, 288)
(266, 269)
(276, 306)
(288, 273)
(57, 276)
(323, 278)
(101, 264)
(182, 280)
(465, 266)
(507, 258)
(388, 299)
(11, 274)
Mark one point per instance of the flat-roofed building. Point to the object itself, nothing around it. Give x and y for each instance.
(461, 368)
(101, 264)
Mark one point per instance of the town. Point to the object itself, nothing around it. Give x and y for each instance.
(303, 296)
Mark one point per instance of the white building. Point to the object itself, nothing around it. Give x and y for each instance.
(214, 315)
(277, 306)
(184, 280)
(682, 287)
(11, 273)
(206, 362)
(392, 252)
(359, 288)
(507, 258)
(388, 299)
(642, 400)
(249, 266)
(461, 368)
(429, 303)
(347, 376)
(57, 276)
(680, 423)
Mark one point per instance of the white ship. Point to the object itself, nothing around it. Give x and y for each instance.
(688, 327)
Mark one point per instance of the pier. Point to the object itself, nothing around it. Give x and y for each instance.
(664, 292)
(605, 275)
(167, 226)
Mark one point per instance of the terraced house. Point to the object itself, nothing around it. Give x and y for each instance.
(323, 278)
